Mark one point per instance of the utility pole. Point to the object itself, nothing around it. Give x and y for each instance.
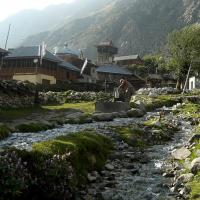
(1, 64)
(7, 36)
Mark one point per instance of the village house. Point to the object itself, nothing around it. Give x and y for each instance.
(106, 52)
(37, 65)
(77, 59)
(128, 60)
(158, 80)
(194, 83)
(108, 72)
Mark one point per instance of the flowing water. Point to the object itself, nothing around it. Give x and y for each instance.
(144, 180)
(149, 183)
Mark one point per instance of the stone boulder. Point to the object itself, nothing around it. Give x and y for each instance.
(100, 117)
(195, 165)
(109, 167)
(181, 153)
(140, 105)
(109, 107)
(194, 138)
(157, 91)
(185, 178)
(135, 112)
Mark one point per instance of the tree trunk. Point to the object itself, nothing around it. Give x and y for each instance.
(178, 84)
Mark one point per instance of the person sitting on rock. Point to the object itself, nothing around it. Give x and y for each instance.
(126, 90)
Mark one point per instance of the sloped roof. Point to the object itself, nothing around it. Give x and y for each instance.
(106, 43)
(113, 69)
(130, 57)
(68, 51)
(3, 51)
(69, 66)
(31, 52)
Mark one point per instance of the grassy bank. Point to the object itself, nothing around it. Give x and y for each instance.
(152, 103)
(150, 133)
(87, 107)
(28, 119)
(194, 185)
(17, 113)
(53, 169)
(191, 111)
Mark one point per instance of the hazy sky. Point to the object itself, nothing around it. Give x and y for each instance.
(10, 7)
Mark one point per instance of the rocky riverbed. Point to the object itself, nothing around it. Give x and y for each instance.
(134, 174)
(130, 172)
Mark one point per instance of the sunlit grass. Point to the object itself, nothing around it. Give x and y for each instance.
(190, 110)
(87, 107)
(20, 113)
(16, 113)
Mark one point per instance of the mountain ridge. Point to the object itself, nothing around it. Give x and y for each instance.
(135, 26)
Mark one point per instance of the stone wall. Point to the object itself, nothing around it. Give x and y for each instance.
(71, 96)
(16, 94)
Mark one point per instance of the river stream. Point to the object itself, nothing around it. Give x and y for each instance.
(132, 179)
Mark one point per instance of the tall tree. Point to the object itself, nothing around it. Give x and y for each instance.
(184, 48)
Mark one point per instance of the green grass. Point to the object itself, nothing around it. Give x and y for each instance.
(20, 113)
(4, 131)
(32, 127)
(151, 122)
(195, 184)
(195, 188)
(190, 110)
(87, 107)
(131, 135)
(16, 113)
(88, 151)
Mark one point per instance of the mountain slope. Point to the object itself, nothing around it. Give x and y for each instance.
(136, 26)
(29, 22)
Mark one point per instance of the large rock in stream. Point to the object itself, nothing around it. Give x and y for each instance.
(109, 107)
(181, 154)
(135, 112)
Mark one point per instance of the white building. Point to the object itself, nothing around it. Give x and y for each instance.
(194, 83)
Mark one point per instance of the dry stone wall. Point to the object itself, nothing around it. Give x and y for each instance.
(16, 94)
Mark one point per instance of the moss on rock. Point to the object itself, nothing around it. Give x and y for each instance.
(88, 151)
(4, 131)
(132, 135)
(32, 127)
(146, 134)
(53, 169)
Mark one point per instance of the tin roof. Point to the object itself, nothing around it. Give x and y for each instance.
(113, 69)
(3, 51)
(69, 66)
(66, 50)
(31, 52)
(130, 57)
